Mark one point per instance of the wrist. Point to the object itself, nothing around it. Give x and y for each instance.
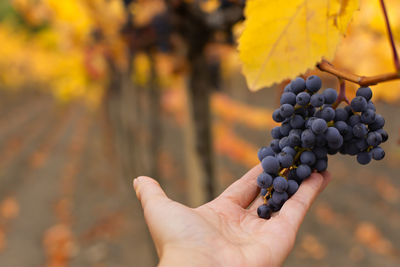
(178, 256)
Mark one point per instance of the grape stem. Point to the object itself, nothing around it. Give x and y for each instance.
(326, 66)
(342, 94)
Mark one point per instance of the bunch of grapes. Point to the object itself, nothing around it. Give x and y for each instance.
(312, 127)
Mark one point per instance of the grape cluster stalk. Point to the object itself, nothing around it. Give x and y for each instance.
(313, 127)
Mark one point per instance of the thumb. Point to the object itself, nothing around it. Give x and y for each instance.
(148, 191)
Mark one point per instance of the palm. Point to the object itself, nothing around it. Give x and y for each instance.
(230, 226)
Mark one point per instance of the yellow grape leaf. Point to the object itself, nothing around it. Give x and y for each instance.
(282, 39)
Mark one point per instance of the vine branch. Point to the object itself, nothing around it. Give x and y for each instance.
(390, 34)
(326, 66)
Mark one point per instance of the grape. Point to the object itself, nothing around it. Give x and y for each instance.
(285, 159)
(298, 85)
(276, 115)
(320, 152)
(368, 116)
(289, 150)
(275, 145)
(303, 98)
(321, 165)
(328, 113)
(294, 140)
(319, 126)
(330, 96)
(303, 171)
(276, 133)
(374, 139)
(365, 92)
(292, 187)
(313, 83)
(311, 128)
(354, 119)
(280, 184)
(297, 121)
(264, 180)
(279, 197)
(288, 98)
(364, 158)
(263, 191)
(377, 124)
(270, 165)
(264, 211)
(283, 142)
(317, 100)
(383, 134)
(341, 114)
(307, 138)
(377, 153)
(285, 128)
(371, 105)
(287, 88)
(286, 110)
(360, 130)
(359, 104)
(307, 157)
(265, 151)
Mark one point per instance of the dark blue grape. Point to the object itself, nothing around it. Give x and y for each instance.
(349, 110)
(303, 98)
(284, 142)
(296, 131)
(333, 137)
(374, 139)
(377, 153)
(317, 100)
(264, 211)
(276, 115)
(354, 119)
(294, 140)
(265, 151)
(270, 165)
(365, 92)
(288, 98)
(371, 105)
(279, 197)
(328, 113)
(341, 114)
(285, 128)
(297, 121)
(359, 104)
(313, 83)
(275, 145)
(364, 158)
(298, 85)
(289, 150)
(276, 133)
(309, 122)
(383, 134)
(360, 130)
(320, 152)
(307, 138)
(320, 140)
(330, 96)
(285, 159)
(361, 144)
(292, 187)
(307, 157)
(377, 124)
(286, 110)
(368, 116)
(303, 171)
(263, 191)
(280, 184)
(264, 180)
(352, 149)
(288, 88)
(321, 165)
(342, 127)
(319, 126)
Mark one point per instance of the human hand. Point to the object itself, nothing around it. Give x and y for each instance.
(225, 231)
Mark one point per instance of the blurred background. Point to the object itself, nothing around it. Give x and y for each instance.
(96, 92)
